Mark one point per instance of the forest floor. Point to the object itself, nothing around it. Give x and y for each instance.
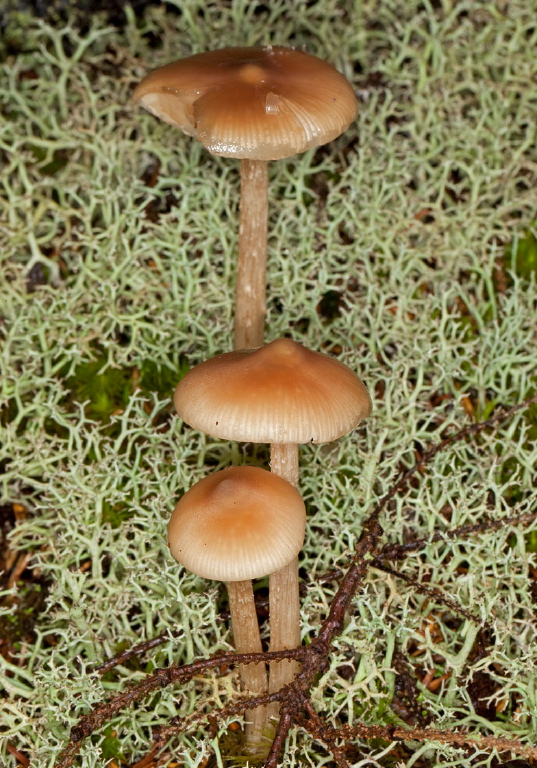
(406, 249)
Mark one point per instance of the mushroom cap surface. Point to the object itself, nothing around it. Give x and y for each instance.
(257, 103)
(279, 393)
(237, 524)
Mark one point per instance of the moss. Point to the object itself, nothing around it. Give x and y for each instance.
(18, 625)
(50, 165)
(521, 254)
(103, 390)
(162, 379)
(110, 744)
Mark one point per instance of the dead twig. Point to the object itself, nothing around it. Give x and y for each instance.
(20, 756)
(472, 429)
(394, 733)
(314, 658)
(433, 592)
(136, 650)
(160, 679)
(400, 551)
(316, 724)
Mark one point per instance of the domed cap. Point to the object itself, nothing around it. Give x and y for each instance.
(279, 393)
(257, 103)
(237, 524)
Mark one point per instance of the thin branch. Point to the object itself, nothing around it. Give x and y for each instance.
(472, 429)
(20, 756)
(314, 657)
(160, 679)
(394, 733)
(135, 650)
(433, 592)
(400, 551)
(315, 724)
(363, 554)
(287, 716)
(179, 725)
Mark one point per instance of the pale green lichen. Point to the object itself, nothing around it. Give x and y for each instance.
(408, 216)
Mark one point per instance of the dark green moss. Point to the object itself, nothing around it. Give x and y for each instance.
(110, 745)
(521, 255)
(50, 164)
(160, 378)
(103, 390)
(17, 626)
(106, 390)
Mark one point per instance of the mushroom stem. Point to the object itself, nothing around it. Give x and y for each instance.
(284, 602)
(252, 264)
(247, 640)
(284, 461)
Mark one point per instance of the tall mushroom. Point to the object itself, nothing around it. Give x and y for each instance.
(236, 525)
(282, 394)
(254, 104)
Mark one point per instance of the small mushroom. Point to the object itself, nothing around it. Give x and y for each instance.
(236, 525)
(254, 104)
(283, 394)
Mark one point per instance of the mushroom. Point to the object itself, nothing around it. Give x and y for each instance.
(282, 394)
(235, 525)
(254, 104)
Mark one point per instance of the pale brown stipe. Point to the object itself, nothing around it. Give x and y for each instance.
(250, 309)
(235, 525)
(284, 595)
(255, 104)
(280, 393)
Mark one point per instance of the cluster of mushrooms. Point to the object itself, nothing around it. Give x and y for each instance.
(244, 523)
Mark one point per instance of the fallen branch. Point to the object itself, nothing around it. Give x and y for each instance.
(135, 650)
(294, 698)
(432, 592)
(400, 551)
(394, 733)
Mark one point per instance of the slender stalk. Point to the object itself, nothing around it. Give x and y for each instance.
(247, 640)
(284, 461)
(252, 264)
(284, 602)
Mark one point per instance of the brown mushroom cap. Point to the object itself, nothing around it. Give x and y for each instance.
(257, 103)
(237, 524)
(280, 393)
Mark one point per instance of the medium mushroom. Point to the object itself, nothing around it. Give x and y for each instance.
(254, 104)
(282, 394)
(236, 525)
